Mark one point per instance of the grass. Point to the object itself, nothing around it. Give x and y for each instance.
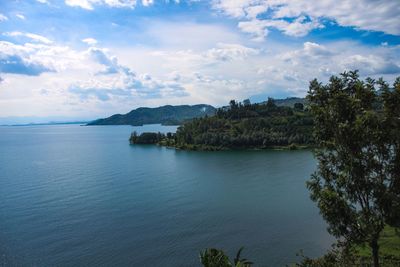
(389, 244)
(389, 248)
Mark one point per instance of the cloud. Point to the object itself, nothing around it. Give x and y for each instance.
(43, 1)
(229, 52)
(85, 4)
(298, 18)
(100, 94)
(257, 28)
(88, 4)
(41, 57)
(116, 80)
(89, 41)
(17, 65)
(370, 61)
(314, 49)
(32, 36)
(147, 2)
(3, 17)
(186, 34)
(20, 16)
(371, 64)
(222, 55)
(110, 63)
(310, 51)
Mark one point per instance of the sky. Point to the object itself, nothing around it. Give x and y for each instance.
(85, 59)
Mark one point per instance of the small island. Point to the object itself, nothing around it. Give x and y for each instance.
(241, 125)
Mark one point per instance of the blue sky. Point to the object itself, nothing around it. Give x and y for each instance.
(83, 59)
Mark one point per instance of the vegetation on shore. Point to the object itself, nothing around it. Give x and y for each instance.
(213, 257)
(357, 182)
(241, 126)
(339, 256)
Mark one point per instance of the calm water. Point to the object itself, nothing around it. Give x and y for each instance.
(82, 196)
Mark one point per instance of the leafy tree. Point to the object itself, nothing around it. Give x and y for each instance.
(246, 102)
(146, 138)
(298, 106)
(271, 103)
(357, 184)
(247, 126)
(212, 257)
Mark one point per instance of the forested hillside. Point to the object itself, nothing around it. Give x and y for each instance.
(166, 115)
(243, 125)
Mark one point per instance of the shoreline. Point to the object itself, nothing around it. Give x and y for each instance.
(213, 148)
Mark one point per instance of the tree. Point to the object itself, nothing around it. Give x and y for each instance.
(246, 102)
(299, 106)
(212, 257)
(357, 184)
(271, 103)
(233, 104)
(133, 138)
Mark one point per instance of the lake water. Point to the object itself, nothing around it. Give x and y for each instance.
(82, 196)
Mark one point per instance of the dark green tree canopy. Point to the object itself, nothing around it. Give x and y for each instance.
(357, 127)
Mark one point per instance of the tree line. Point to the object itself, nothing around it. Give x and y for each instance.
(241, 125)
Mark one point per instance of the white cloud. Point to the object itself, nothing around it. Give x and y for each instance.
(3, 17)
(51, 57)
(257, 28)
(20, 16)
(298, 18)
(311, 50)
(371, 64)
(32, 36)
(89, 41)
(85, 4)
(188, 34)
(14, 59)
(228, 52)
(120, 3)
(43, 1)
(88, 4)
(147, 2)
(116, 80)
(370, 61)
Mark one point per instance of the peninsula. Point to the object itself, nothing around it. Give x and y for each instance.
(241, 125)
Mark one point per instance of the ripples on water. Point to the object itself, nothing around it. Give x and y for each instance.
(82, 196)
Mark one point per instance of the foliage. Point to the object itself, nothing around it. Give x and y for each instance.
(389, 245)
(166, 115)
(357, 184)
(291, 101)
(344, 256)
(299, 106)
(247, 125)
(146, 138)
(212, 257)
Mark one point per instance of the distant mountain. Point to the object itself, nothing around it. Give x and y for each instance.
(166, 115)
(48, 123)
(289, 102)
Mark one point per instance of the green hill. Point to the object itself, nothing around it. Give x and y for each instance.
(241, 125)
(166, 115)
(289, 102)
(245, 125)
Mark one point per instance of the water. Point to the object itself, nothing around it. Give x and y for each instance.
(82, 196)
